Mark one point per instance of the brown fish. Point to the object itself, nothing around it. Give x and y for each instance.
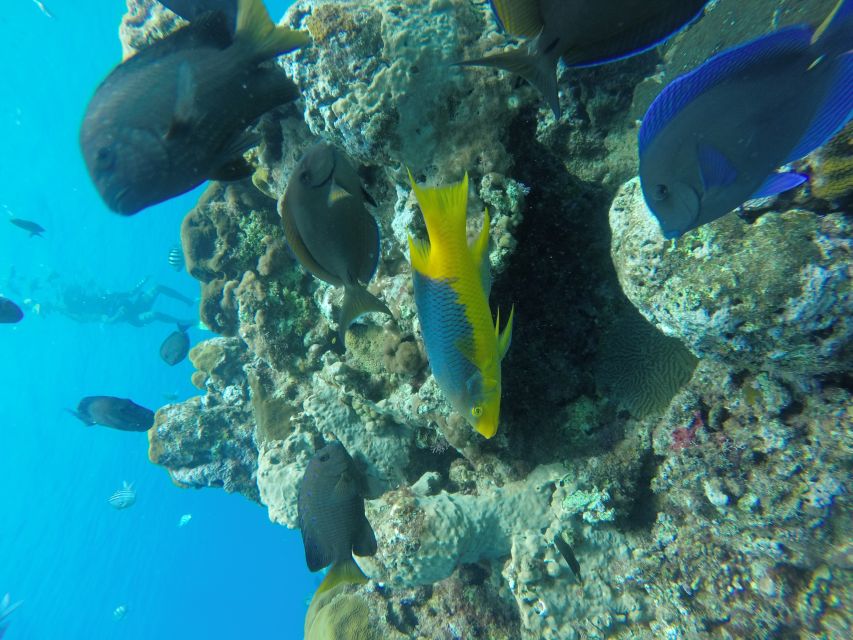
(583, 34)
(331, 516)
(176, 346)
(329, 229)
(117, 413)
(176, 113)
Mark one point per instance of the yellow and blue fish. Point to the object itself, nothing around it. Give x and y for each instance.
(464, 344)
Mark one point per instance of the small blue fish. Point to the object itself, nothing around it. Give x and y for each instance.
(124, 497)
(715, 136)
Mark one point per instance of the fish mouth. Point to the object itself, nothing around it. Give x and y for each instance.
(118, 201)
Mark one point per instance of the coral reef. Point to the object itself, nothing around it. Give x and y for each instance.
(774, 294)
(626, 494)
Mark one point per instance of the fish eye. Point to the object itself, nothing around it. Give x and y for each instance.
(661, 192)
(105, 158)
(477, 411)
(305, 178)
(324, 457)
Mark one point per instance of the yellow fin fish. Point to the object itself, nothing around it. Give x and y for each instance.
(451, 280)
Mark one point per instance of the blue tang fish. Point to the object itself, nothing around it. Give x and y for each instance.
(714, 137)
(583, 34)
(451, 280)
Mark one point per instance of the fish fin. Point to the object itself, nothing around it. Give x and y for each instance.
(480, 254)
(256, 31)
(834, 113)
(682, 91)
(346, 572)
(210, 30)
(234, 166)
(520, 18)
(368, 198)
(444, 210)
(316, 556)
(833, 37)
(714, 167)
(505, 336)
(235, 169)
(779, 182)
(336, 194)
(365, 543)
(538, 70)
(474, 385)
(182, 117)
(357, 301)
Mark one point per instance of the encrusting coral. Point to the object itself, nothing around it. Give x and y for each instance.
(718, 507)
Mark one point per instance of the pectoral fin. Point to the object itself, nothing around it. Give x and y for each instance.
(185, 97)
(715, 168)
(336, 194)
(779, 182)
(505, 336)
(480, 253)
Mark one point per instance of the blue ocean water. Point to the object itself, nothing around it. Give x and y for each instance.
(64, 550)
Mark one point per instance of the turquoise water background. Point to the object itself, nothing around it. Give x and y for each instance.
(64, 550)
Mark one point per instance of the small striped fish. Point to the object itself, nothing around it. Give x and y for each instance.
(124, 497)
(176, 258)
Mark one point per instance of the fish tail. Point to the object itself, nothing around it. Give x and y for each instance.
(357, 301)
(834, 36)
(260, 33)
(346, 572)
(445, 211)
(538, 70)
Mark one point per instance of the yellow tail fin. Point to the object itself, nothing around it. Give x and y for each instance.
(256, 30)
(444, 210)
(340, 573)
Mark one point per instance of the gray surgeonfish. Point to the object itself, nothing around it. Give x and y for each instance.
(176, 346)
(34, 228)
(10, 313)
(329, 229)
(176, 114)
(331, 516)
(117, 413)
(715, 137)
(583, 34)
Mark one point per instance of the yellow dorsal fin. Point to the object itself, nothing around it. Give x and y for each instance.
(505, 336)
(258, 32)
(444, 210)
(480, 248)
